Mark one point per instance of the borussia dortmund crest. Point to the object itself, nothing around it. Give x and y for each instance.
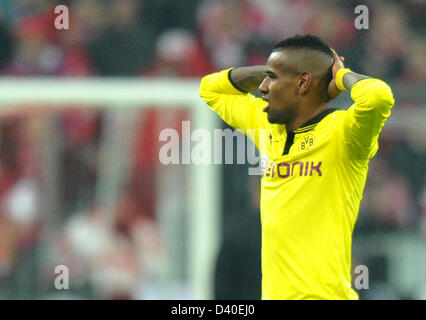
(307, 142)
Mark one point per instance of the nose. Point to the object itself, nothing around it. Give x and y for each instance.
(264, 86)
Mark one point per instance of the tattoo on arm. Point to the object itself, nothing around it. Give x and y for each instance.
(350, 78)
(248, 79)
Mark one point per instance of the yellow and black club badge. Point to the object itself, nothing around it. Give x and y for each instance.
(306, 142)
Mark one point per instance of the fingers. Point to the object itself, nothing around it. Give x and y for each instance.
(336, 56)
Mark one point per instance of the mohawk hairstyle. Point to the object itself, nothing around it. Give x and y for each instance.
(308, 41)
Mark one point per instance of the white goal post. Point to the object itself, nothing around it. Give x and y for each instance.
(123, 93)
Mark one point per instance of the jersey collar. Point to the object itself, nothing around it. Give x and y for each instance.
(310, 124)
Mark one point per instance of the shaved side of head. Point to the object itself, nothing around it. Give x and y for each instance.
(317, 63)
(307, 53)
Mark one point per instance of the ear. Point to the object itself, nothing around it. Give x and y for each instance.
(304, 82)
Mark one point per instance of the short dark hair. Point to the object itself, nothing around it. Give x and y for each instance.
(308, 41)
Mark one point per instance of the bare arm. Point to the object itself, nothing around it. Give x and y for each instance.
(248, 79)
(350, 78)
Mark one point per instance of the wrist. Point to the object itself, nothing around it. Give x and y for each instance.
(339, 78)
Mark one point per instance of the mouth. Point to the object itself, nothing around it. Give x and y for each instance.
(266, 108)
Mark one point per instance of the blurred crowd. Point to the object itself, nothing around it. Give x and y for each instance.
(191, 38)
(170, 38)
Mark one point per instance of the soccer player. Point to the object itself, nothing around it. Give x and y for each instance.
(317, 160)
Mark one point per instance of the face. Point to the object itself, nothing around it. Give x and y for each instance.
(280, 90)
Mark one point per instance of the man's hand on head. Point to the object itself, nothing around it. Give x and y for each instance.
(332, 91)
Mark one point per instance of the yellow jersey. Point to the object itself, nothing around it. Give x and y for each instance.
(312, 186)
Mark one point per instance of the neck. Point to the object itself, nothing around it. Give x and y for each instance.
(305, 115)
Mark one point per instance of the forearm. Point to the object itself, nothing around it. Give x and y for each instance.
(248, 79)
(368, 94)
(350, 78)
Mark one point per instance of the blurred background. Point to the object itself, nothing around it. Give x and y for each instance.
(121, 227)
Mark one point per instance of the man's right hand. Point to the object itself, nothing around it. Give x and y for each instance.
(332, 91)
